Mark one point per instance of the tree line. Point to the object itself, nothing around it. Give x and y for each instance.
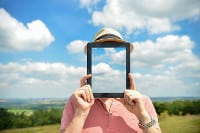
(53, 116)
(20, 120)
(178, 107)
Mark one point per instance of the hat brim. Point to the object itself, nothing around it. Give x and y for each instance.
(110, 40)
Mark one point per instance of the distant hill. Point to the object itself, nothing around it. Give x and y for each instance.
(43, 103)
(46, 103)
(171, 99)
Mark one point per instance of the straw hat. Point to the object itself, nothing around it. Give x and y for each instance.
(108, 35)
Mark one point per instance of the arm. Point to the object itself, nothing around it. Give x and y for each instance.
(83, 100)
(77, 123)
(134, 102)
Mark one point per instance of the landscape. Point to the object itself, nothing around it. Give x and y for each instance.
(45, 47)
(176, 114)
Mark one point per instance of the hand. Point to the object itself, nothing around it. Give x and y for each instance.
(84, 98)
(133, 101)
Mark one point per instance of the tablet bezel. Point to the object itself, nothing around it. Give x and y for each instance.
(91, 45)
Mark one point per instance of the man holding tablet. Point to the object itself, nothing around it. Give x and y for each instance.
(100, 108)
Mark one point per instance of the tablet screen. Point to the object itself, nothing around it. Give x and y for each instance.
(108, 70)
(109, 65)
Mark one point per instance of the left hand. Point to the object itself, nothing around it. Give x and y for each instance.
(133, 101)
(83, 97)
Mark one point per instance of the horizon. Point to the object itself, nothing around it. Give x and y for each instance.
(61, 98)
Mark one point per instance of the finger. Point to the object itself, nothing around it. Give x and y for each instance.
(90, 92)
(129, 97)
(132, 82)
(125, 97)
(83, 94)
(84, 79)
(131, 100)
(88, 95)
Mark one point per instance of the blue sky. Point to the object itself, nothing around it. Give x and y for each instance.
(41, 44)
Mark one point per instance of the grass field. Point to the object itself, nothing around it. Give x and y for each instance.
(174, 124)
(181, 124)
(39, 129)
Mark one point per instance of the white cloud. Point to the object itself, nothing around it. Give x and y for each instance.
(102, 68)
(38, 79)
(110, 56)
(15, 36)
(164, 85)
(166, 64)
(119, 57)
(76, 46)
(107, 79)
(89, 3)
(159, 16)
(160, 67)
(157, 25)
(168, 50)
(175, 10)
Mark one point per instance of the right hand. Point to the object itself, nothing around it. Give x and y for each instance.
(83, 97)
(133, 101)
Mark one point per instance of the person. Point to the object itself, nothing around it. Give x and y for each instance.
(134, 113)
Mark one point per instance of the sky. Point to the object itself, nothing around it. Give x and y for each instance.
(42, 42)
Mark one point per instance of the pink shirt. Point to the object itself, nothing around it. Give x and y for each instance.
(113, 119)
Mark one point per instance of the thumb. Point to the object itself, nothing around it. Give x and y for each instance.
(132, 82)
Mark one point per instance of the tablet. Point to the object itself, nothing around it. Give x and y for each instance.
(109, 65)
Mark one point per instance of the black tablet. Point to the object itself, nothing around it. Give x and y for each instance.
(109, 65)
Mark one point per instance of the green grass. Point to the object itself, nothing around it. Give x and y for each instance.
(39, 129)
(170, 124)
(180, 124)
